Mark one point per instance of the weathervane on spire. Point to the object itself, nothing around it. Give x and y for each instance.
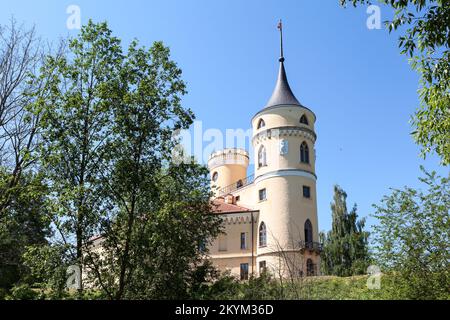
(280, 27)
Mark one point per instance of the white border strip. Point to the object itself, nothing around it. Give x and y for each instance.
(285, 173)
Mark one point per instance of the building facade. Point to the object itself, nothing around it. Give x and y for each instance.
(270, 217)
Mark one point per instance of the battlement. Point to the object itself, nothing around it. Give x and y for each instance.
(229, 156)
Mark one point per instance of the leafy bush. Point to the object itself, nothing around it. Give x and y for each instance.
(23, 292)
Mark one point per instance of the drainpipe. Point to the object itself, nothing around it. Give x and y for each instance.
(253, 244)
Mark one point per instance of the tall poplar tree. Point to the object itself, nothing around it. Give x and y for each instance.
(345, 247)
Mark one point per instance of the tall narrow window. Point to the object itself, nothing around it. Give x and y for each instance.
(243, 241)
(304, 152)
(261, 124)
(304, 120)
(306, 192)
(262, 160)
(262, 266)
(310, 267)
(308, 232)
(262, 195)
(262, 235)
(244, 271)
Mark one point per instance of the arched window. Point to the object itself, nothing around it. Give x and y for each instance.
(215, 176)
(304, 152)
(308, 232)
(262, 160)
(262, 235)
(261, 124)
(304, 120)
(309, 267)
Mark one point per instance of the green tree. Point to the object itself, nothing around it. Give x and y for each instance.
(46, 266)
(413, 236)
(345, 247)
(426, 41)
(76, 130)
(25, 222)
(161, 210)
(108, 124)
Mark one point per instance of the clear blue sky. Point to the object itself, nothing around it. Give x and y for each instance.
(355, 80)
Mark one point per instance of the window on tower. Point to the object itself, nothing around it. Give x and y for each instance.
(215, 176)
(262, 160)
(261, 124)
(262, 195)
(262, 235)
(306, 192)
(308, 232)
(304, 120)
(304, 152)
(262, 266)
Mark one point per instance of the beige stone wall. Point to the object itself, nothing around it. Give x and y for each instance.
(227, 175)
(233, 256)
(283, 116)
(248, 197)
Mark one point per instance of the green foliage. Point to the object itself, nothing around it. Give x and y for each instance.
(23, 292)
(165, 246)
(76, 116)
(310, 288)
(25, 222)
(412, 238)
(426, 41)
(222, 286)
(345, 247)
(263, 287)
(47, 265)
(108, 121)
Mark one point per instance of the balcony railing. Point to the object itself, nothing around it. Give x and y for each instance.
(311, 246)
(237, 185)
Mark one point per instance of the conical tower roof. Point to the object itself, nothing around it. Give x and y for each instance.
(282, 94)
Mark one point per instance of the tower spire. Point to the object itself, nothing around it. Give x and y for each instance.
(282, 94)
(280, 27)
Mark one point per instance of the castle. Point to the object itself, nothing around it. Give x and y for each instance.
(269, 218)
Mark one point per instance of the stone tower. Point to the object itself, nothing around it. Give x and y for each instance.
(285, 179)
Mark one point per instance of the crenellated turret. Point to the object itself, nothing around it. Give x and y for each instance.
(227, 167)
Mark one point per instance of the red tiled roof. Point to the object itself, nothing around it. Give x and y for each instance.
(219, 206)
